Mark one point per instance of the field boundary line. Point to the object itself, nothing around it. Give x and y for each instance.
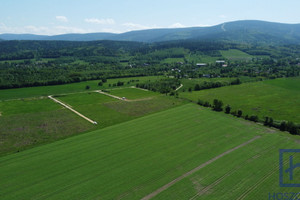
(68, 107)
(163, 188)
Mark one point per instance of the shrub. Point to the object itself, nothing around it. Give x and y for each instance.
(227, 109)
(239, 113)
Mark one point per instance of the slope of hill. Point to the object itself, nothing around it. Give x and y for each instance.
(249, 31)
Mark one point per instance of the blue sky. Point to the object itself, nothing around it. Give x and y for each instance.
(51, 17)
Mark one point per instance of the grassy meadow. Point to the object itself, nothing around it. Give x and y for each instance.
(30, 122)
(133, 159)
(277, 98)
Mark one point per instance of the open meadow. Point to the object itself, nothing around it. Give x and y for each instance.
(277, 98)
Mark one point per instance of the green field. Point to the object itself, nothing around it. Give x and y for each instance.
(277, 98)
(29, 122)
(67, 88)
(235, 54)
(133, 159)
(107, 111)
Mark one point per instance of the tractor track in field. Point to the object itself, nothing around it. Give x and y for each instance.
(207, 188)
(165, 187)
(245, 194)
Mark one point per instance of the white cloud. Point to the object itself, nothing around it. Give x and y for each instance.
(62, 18)
(177, 25)
(42, 30)
(132, 26)
(100, 21)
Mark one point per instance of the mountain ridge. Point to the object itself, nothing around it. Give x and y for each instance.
(247, 31)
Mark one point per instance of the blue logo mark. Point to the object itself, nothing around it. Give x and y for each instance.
(289, 171)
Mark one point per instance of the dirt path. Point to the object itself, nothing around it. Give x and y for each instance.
(113, 96)
(163, 188)
(179, 87)
(68, 107)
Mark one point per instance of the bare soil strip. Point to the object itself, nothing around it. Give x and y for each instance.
(179, 87)
(68, 107)
(163, 188)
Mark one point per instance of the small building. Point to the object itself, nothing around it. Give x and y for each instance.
(201, 64)
(220, 61)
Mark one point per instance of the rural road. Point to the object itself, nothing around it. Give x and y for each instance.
(163, 188)
(68, 107)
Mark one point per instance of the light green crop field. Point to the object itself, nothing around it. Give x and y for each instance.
(68, 88)
(277, 98)
(29, 122)
(132, 159)
(133, 93)
(235, 54)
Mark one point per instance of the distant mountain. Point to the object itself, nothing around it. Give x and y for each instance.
(248, 31)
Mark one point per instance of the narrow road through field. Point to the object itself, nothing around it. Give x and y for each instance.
(179, 87)
(163, 188)
(68, 107)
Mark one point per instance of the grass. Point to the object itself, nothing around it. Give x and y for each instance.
(235, 54)
(108, 111)
(67, 88)
(277, 98)
(132, 159)
(31, 122)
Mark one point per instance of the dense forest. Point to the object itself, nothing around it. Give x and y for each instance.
(34, 63)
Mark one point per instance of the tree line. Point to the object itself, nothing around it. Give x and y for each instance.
(217, 105)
